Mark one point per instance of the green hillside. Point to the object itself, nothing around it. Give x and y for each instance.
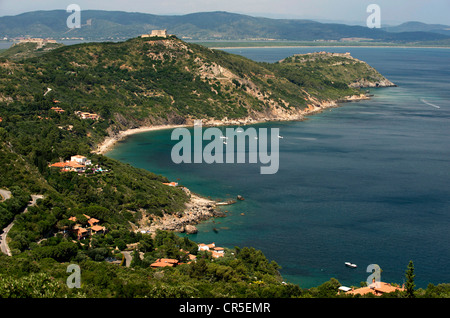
(127, 85)
(108, 25)
(22, 51)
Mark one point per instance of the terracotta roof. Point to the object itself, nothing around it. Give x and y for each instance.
(206, 246)
(97, 228)
(74, 164)
(217, 254)
(164, 262)
(59, 164)
(172, 184)
(92, 221)
(71, 164)
(376, 289)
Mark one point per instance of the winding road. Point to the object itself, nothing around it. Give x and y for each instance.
(3, 244)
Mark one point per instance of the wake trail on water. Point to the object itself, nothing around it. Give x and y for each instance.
(430, 104)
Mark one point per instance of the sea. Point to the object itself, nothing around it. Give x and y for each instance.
(367, 182)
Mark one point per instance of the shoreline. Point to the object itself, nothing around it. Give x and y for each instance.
(109, 142)
(198, 208)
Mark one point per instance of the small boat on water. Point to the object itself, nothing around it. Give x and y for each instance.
(351, 265)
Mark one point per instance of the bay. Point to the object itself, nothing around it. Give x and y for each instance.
(367, 182)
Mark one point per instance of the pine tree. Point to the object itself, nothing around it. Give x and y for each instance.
(410, 280)
(136, 260)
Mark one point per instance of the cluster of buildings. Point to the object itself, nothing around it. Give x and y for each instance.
(376, 288)
(93, 227)
(215, 250)
(76, 163)
(86, 115)
(169, 262)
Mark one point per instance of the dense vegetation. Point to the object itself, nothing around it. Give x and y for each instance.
(25, 50)
(243, 272)
(130, 84)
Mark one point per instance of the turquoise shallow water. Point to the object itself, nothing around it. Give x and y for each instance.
(367, 182)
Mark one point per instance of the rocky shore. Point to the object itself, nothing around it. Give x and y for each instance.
(198, 209)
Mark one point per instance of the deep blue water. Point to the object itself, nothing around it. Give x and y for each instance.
(367, 182)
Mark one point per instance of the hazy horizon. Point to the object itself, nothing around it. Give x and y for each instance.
(328, 11)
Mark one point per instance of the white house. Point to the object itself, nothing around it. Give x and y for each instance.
(82, 160)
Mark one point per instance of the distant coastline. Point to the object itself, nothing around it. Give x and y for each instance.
(264, 45)
(297, 44)
(326, 46)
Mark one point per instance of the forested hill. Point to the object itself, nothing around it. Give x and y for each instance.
(146, 81)
(156, 80)
(104, 25)
(66, 101)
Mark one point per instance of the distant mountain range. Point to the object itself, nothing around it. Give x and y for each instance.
(118, 25)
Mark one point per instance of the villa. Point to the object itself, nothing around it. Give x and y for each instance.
(69, 166)
(164, 262)
(93, 228)
(215, 250)
(376, 289)
(77, 163)
(86, 115)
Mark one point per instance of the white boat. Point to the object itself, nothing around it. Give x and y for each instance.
(351, 265)
(281, 137)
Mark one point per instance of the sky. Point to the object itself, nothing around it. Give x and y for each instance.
(342, 11)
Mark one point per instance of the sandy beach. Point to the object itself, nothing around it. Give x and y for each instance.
(109, 142)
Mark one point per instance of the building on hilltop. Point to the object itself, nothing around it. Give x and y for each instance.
(40, 42)
(158, 33)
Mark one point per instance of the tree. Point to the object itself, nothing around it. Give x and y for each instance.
(136, 260)
(410, 280)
